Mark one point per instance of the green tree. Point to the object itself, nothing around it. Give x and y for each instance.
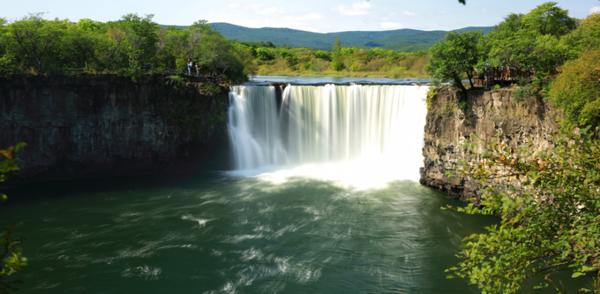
(549, 209)
(110, 46)
(78, 46)
(323, 55)
(531, 41)
(141, 33)
(577, 89)
(11, 256)
(585, 37)
(455, 56)
(337, 58)
(34, 37)
(292, 61)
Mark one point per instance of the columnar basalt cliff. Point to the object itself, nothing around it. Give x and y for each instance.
(89, 126)
(491, 115)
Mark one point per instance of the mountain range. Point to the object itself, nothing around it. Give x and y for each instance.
(402, 40)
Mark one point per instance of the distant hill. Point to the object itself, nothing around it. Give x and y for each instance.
(403, 40)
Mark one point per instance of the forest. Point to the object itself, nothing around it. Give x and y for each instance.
(129, 46)
(135, 44)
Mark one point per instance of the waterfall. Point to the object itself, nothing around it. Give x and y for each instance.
(378, 125)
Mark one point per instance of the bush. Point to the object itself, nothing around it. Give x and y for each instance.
(11, 258)
(577, 89)
(323, 55)
(376, 64)
(549, 213)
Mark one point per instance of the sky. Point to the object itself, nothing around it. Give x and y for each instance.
(320, 16)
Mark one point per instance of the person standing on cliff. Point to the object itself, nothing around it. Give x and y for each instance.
(190, 68)
(197, 71)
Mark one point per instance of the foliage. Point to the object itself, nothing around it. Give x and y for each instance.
(455, 56)
(323, 55)
(176, 81)
(550, 220)
(577, 89)
(524, 90)
(344, 61)
(131, 45)
(337, 59)
(585, 37)
(11, 255)
(531, 41)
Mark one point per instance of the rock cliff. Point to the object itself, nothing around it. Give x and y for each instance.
(89, 126)
(493, 116)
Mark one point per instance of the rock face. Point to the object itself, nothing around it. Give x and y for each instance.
(89, 126)
(491, 115)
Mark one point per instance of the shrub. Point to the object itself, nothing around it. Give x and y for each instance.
(577, 89)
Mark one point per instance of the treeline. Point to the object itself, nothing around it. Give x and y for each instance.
(558, 51)
(546, 42)
(130, 45)
(341, 61)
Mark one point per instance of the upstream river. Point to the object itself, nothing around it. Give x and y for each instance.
(325, 203)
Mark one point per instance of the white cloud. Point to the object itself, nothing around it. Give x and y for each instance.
(595, 9)
(360, 8)
(255, 6)
(271, 10)
(484, 10)
(310, 16)
(442, 12)
(391, 25)
(233, 5)
(408, 13)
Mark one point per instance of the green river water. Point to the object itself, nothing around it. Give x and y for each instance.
(331, 228)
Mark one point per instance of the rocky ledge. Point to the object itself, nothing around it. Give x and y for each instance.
(495, 115)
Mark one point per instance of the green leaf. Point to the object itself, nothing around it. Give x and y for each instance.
(577, 274)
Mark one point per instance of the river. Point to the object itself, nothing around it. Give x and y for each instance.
(329, 208)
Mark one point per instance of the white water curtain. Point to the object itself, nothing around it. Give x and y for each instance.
(322, 124)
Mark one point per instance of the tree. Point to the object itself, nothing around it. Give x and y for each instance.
(455, 56)
(11, 254)
(549, 209)
(577, 89)
(110, 45)
(585, 37)
(141, 38)
(549, 19)
(34, 37)
(337, 59)
(531, 41)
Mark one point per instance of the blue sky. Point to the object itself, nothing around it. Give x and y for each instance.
(311, 15)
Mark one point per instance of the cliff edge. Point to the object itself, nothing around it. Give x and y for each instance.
(107, 125)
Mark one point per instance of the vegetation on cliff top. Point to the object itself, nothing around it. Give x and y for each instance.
(128, 46)
(341, 61)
